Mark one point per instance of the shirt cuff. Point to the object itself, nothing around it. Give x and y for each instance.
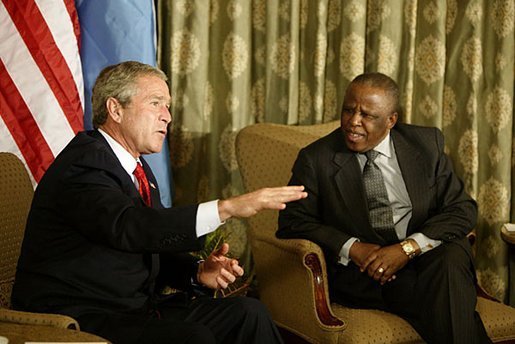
(425, 243)
(208, 219)
(345, 250)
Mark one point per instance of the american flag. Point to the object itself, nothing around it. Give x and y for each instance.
(41, 85)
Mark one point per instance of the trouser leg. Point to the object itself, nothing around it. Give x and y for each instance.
(235, 320)
(442, 308)
(146, 328)
(204, 320)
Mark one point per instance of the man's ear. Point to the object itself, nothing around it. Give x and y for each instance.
(392, 119)
(114, 109)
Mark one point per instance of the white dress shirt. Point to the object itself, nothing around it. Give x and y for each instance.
(397, 195)
(208, 219)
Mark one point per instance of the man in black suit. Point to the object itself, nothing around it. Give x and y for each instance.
(99, 245)
(403, 249)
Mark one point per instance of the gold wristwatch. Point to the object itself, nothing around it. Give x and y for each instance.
(408, 248)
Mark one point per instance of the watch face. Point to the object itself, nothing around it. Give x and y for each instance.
(408, 248)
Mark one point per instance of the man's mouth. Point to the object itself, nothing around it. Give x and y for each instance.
(353, 136)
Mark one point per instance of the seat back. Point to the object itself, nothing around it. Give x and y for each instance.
(16, 194)
(266, 153)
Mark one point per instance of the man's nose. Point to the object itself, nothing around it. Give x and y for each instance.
(166, 115)
(355, 118)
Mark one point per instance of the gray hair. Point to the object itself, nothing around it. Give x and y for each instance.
(118, 81)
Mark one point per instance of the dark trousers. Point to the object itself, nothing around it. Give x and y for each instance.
(435, 293)
(203, 320)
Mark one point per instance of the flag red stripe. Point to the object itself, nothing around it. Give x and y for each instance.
(23, 127)
(37, 36)
(72, 12)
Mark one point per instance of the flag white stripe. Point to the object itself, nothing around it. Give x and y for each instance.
(32, 85)
(61, 28)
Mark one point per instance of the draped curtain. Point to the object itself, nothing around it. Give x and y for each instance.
(236, 62)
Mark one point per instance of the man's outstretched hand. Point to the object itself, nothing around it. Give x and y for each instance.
(218, 271)
(251, 203)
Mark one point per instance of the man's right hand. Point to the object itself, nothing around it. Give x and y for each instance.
(360, 252)
(251, 203)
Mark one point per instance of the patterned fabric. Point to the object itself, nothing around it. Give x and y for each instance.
(233, 63)
(379, 210)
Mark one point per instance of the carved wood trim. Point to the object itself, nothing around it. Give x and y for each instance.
(321, 303)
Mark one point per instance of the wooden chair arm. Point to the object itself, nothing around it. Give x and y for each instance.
(313, 262)
(306, 257)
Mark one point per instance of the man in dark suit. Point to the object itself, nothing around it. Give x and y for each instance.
(394, 239)
(99, 245)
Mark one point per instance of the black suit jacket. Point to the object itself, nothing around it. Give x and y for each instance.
(335, 209)
(91, 243)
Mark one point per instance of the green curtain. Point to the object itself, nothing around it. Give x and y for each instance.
(236, 62)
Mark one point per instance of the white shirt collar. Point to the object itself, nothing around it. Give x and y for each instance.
(385, 147)
(126, 159)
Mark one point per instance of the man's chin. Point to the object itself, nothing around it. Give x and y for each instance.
(357, 147)
(155, 149)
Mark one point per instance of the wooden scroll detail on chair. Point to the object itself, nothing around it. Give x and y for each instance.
(324, 314)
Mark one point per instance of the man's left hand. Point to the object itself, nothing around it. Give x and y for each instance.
(218, 271)
(385, 262)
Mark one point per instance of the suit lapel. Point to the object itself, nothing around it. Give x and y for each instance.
(349, 182)
(412, 169)
(126, 181)
(350, 186)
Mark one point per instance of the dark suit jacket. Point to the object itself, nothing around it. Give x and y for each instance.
(90, 242)
(335, 209)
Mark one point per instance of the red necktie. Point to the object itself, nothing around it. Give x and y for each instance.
(144, 189)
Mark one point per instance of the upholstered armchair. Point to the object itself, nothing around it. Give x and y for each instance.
(16, 194)
(291, 274)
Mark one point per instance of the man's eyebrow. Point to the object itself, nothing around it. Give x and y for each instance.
(158, 97)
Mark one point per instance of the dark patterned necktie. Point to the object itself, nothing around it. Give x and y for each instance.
(144, 188)
(379, 210)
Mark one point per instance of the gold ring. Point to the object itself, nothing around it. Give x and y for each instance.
(381, 270)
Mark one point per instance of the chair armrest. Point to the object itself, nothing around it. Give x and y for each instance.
(294, 246)
(508, 234)
(44, 319)
(292, 276)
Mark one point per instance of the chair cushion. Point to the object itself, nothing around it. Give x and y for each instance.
(499, 319)
(374, 326)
